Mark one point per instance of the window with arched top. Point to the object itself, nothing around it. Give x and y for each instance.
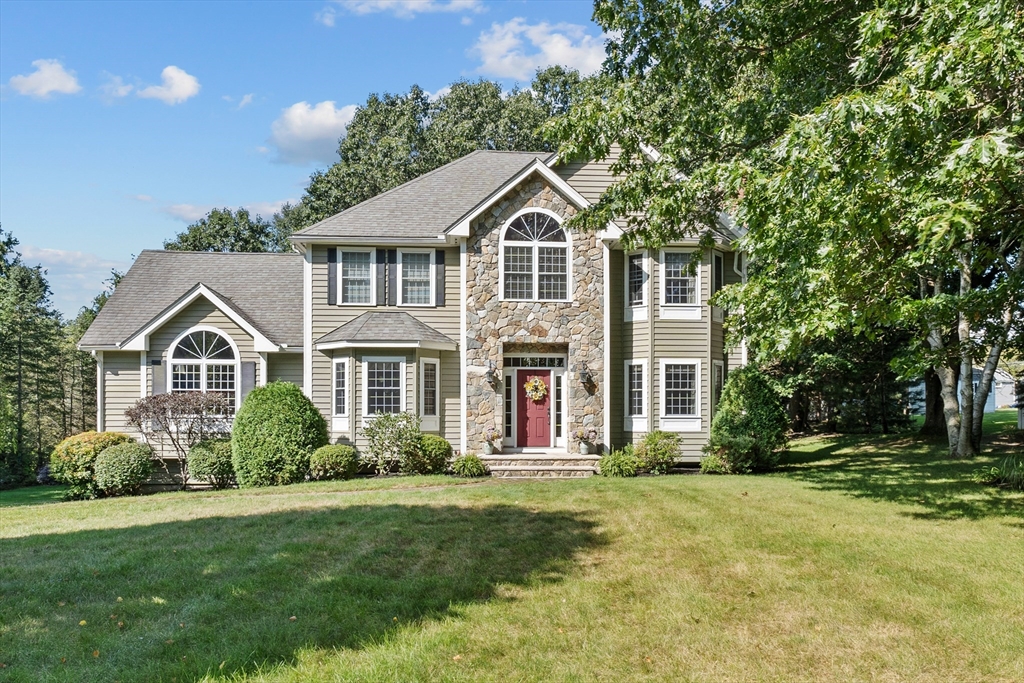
(206, 361)
(535, 258)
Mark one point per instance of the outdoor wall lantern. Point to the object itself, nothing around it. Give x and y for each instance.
(585, 375)
(490, 375)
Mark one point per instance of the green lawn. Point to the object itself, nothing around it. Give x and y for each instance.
(862, 559)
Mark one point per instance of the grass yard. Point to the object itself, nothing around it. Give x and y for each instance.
(863, 559)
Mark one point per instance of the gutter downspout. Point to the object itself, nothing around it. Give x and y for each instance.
(607, 321)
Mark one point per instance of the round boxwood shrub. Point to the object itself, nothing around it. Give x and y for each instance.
(210, 461)
(657, 452)
(123, 468)
(275, 431)
(430, 457)
(621, 463)
(73, 461)
(749, 428)
(469, 465)
(333, 462)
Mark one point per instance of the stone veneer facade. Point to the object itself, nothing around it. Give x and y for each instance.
(496, 327)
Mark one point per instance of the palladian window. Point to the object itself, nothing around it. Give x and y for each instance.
(204, 361)
(535, 259)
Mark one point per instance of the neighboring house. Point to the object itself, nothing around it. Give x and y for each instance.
(1002, 392)
(443, 297)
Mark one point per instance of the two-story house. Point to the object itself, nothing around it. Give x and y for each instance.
(446, 297)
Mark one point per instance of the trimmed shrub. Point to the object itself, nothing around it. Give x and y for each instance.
(430, 457)
(73, 461)
(210, 461)
(275, 432)
(620, 463)
(333, 462)
(657, 452)
(123, 468)
(393, 438)
(713, 463)
(749, 429)
(469, 465)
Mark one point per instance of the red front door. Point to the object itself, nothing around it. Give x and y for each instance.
(534, 429)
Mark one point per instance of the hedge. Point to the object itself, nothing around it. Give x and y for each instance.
(123, 468)
(73, 461)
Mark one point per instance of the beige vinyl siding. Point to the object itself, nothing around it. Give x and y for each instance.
(683, 339)
(286, 367)
(121, 386)
(444, 319)
(589, 178)
(199, 312)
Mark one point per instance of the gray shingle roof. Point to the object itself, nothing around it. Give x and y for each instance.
(265, 289)
(426, 206)
(384, 326)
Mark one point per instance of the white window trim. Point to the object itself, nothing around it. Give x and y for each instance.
(635, 423)
(366, 382)
(373, 277)
(677, 423)
(636, 311)
(340, 420)
(536, 265)
(430, 423)
(432, 299)
(169, 369)
(680, 311)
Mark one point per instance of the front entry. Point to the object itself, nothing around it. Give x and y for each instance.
(534, 423)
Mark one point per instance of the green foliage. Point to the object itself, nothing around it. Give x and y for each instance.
(210, 461)
(73, 461)
(657, 452)
(749, 428)
(430, 457)
(469, 465)
(333, 462)
(224, 230)
(393, 438)
(620, 463)
(713, 463)
(123, 468)
(274, 433)
(1009, 473)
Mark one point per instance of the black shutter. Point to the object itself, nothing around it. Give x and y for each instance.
(381, 259)
(392, 277)
(159, 377)
(332, 276)
(248, 377)
(439, 277)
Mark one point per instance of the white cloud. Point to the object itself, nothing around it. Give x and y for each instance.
(326, 16)
(407, 9)
(466, 21)
(503, 50)
(268, 209)
(49, 77)
(304, 134)
(115, 87)
(189, 213)
(177, 87)
(142, 197)
(435, 96)
(245, 101)
(74, 276)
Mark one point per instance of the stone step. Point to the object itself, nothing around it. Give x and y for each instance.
(540, 463)
(541, 472)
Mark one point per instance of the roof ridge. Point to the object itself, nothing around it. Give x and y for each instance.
(219, 253)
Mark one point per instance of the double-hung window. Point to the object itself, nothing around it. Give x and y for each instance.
(535, 259)
(717, 283)
(417, 278)
(429, 394)
(636, 286)
(355, 273)
(680, 291)
(383, 385)
(204, 361)
(680, 395)
(636, 396)
(341, 395)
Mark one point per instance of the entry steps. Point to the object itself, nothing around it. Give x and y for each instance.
(552, 465)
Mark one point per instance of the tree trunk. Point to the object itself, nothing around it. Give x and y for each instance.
(934, 423)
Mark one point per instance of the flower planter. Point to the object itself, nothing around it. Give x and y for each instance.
(488, 448)
(584, 448)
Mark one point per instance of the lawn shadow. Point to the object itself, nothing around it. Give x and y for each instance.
(907, 470)
(216, 596)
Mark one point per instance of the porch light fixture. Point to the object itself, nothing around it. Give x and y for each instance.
(490, 376)
(585, 375)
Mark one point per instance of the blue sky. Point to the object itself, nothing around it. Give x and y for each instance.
(122, 122)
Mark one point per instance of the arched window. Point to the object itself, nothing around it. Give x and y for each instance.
(535, 259)
(204, 361)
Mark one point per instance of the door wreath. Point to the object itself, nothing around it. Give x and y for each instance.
(536, 389)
